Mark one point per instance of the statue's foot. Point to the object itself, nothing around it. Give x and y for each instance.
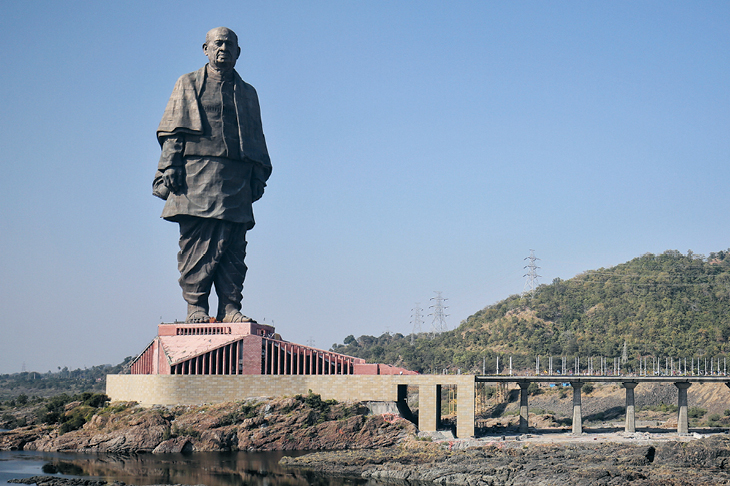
(197, 315)
(237, 317)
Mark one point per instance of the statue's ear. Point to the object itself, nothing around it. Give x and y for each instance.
(239, 53)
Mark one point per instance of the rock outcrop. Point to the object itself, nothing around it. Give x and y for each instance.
(703, 461)
(294, 423)
(56, 481)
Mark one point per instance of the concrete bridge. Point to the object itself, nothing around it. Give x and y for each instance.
(174, 389)
(629, 382)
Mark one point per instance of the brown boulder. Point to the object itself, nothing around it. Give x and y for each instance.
(220, 439)
(178, 444)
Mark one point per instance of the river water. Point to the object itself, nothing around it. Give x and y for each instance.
(208, 468)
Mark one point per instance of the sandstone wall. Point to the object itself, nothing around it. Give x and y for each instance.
(196, 389)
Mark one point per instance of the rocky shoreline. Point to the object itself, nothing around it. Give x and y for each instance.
(56, 481)
(608, 460)
(383, 447)
(703, 461)
(292, 423)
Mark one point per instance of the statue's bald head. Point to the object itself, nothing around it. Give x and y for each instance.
(221, 47)
(212, 33)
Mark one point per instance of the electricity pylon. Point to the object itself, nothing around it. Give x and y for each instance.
(417, 320)
(532, 276)
(438, 325)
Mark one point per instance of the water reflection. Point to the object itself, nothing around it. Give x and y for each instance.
(210, 469)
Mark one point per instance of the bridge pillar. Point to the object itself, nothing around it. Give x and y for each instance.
(682, 420)
(465, 410)
(429, 404)
(630, 410)
(577, 416)
(524, 408)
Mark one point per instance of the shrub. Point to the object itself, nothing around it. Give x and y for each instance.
(696, 412)
(11, 422)
(119, 407)
(95, 400)
(53, 411)
(184, 432)
(249, 409)
(664, 407)
(315, 402)
(75, 422)
(587, 388)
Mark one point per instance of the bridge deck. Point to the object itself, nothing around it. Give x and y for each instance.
(601, 379)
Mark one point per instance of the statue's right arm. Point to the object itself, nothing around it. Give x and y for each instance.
(172, 165)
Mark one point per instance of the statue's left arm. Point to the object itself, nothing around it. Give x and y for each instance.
(258, 182)
(253, 143)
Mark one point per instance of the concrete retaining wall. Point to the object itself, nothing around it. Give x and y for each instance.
(196, 389)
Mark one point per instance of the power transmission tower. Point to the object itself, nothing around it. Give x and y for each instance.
(417, 320)
(532, 276)
(438, 325)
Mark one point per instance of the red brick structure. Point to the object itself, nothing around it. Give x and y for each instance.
(247, 348)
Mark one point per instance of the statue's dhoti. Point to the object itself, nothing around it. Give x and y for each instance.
(212, 252)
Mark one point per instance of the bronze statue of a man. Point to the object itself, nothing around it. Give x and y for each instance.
(214, 165)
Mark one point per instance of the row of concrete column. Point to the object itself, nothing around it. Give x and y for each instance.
(429, 411)
(630, 426)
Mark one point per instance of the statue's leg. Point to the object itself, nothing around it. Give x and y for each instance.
(230, 275)
(199, 253)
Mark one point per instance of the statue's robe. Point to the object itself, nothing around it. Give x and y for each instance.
(217, 184)
(213, 132)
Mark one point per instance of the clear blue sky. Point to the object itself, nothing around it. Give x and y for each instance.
(417, 146)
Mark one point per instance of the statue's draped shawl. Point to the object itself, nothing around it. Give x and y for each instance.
(215, 187)
(182, 116)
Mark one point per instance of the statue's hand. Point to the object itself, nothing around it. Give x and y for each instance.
(173, 178)
(257, 189)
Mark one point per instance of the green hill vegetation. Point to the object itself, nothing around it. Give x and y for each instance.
(43, 385)
(668, 305)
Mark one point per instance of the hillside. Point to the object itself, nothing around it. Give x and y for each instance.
(667, 305)
(31, 384)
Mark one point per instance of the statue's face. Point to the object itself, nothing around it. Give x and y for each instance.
(221, 47)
